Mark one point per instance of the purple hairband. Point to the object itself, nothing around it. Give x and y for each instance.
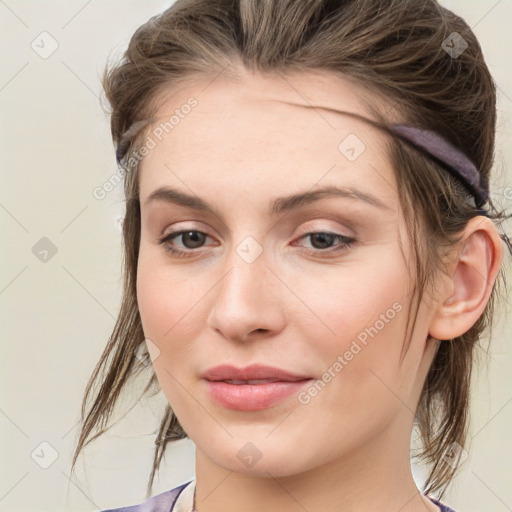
(454, 160)
(426, 141)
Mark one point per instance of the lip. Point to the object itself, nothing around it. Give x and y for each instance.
(251, 372)
(252, 397)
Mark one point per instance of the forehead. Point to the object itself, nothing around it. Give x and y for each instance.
(265, 134)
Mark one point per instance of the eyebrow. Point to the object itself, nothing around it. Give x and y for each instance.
(277, 206)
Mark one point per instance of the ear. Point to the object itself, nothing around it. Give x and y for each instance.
(467, 289)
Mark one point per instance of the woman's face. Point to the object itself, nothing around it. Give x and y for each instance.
(317, 287)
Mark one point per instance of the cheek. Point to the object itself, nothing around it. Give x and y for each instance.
(165, 305)
(350, 303)
(171, 309)
(162, 296)
(158, 310)
(362, 318)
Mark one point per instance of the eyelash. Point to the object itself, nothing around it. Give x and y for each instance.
(346, 243)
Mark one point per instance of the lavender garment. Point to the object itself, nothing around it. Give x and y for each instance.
(165, 502)
(444, 508)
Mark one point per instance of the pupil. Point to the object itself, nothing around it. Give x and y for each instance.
(196, 238)
(322, 237)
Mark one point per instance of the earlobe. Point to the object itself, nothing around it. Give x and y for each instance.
(469, 287)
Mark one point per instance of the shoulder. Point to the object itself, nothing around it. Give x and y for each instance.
(163, 502)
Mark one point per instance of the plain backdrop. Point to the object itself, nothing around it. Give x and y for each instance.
(60, 279)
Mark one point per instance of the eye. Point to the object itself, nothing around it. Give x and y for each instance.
(190, 237)
(322, 242)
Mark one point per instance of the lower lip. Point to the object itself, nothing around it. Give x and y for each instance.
(252, 397)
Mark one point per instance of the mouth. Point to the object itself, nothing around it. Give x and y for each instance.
(252, 395)
(252, 373)
(251, 382)
(252, 388)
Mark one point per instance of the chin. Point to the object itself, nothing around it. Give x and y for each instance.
(263, 458)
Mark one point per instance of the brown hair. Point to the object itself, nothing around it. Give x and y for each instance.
(394, 49)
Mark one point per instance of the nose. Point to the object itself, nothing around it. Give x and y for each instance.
(248, 300)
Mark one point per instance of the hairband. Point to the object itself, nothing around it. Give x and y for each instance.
(441, 150)
(126, 137)
(428, 142)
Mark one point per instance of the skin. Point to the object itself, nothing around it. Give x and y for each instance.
(244, 144)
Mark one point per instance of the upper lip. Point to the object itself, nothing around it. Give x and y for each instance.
(251, 372)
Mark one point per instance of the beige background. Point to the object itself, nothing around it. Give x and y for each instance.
(57, 316)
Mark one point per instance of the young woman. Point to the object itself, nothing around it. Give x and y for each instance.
(311, 251)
